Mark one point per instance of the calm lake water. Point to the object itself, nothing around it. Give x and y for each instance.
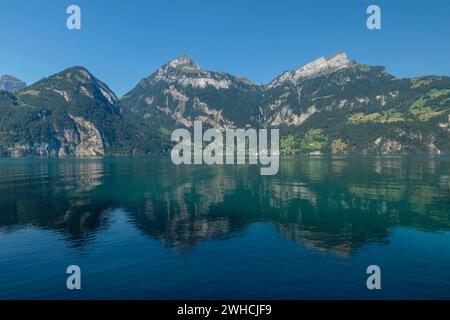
(146, 229)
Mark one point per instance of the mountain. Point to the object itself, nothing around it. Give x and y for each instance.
(180, 92)
(319, 66)
(329, 106)
(339, 106)
(10, 83)
(71, 113)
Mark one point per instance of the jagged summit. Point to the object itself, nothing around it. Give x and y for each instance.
(185, 64)
(184, 71)
(337, 61)
(180, 68)
(318, 66)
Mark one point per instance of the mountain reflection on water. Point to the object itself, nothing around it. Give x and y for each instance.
(331, 205)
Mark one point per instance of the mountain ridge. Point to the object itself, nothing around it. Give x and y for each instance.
(330, 105)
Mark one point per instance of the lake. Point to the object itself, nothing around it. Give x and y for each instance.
(143, 228)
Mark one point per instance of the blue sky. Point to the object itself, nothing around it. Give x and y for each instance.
(122, 42)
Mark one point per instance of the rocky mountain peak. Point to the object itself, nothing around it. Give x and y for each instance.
(315, 67)
(338, 61)
(11, 83)
(185, 72)
(185, 64)
(73, 82)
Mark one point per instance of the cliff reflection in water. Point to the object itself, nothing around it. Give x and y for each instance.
(332, 205)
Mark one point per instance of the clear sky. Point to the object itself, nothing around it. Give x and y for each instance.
(122, 42)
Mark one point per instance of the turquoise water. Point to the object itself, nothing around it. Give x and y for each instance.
(142, 228)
